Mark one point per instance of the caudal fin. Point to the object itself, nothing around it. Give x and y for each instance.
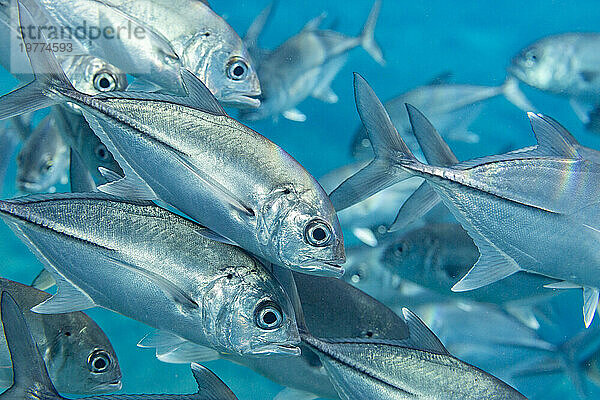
(368, 34)
(29, 369)
(387, 145)
(50, 80)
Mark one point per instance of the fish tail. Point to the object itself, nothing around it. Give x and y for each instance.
(391, 153)
(367, 36)
(29, 369)
(49, 79)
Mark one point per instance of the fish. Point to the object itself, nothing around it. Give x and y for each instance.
(207, 44)
(187, 152)
(305, 65)
(566, 65)
(31, 377)
(325, 302)
(547, 225)
(210, 295)
(437, 256)
(78, 356)
(80, 137)
(9, 140)
(451, 108)
(43, 159)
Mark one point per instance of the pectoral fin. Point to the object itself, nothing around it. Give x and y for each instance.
(294, 115)
(590, 303)
(68, 298)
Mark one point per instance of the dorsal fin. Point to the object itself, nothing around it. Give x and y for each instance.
(551, 137)
(29, 369)
(421, 337)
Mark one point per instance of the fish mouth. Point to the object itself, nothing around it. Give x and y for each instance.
(279, 349)
(28, 186)
(322, 268)
(242, 100)
(108, 387)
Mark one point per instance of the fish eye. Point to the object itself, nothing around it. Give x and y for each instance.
(400, 249)
(99, 361)
(47, 167)
(101, 152)
(317, 233)
(105, 81)
(268, 316)
(237, 69)
(531, 57)
(359, 275)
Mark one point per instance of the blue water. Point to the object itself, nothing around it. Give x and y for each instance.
(421, 39)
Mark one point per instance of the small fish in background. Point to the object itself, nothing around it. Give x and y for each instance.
(515, 207)
(325, 302)
(451, 108)
(31, 377)
(43, 160)
(305, 65)
(154, 266)
(78, 356)
(9, 140)
(185, 151)
(567, 65)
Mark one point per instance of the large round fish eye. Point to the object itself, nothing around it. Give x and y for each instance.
(99, 361)
(317, 233)
(104, 81)
(237, 69)
(268, 316)
(101, 152)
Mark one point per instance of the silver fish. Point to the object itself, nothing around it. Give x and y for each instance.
(189, 153)
(437, 256)
(305, 65)
(77, 353)
(564, 64)
(418, 367)
(32, 378)
(9, 140)
(205, 292)
(529, 210)
(43, 159)
(325, 302)
(207, 45)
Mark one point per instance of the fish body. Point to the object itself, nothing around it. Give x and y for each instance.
(207, 45)
(78, 356)
(189, 153)
(206, 292)
(437, 256)
(31, 378)
(371, 368)
(9, 140)
(43, 159)
(305, 65)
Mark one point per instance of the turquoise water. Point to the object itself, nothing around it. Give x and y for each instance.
(421, 39)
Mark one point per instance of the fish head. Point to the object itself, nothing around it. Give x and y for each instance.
(82, 357)
(92, 75)
(302, 232)
(223, 64)
(43, 159)
(543, 65)
(406, 256)
(249, 313)
(365, 272)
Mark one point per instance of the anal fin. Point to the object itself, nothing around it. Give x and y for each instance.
(68, 298)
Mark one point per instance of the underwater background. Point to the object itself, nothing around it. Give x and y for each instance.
(472, 40)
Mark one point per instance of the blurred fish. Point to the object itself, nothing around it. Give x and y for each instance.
(9, 140)
(566, 64)
(78, 134)
(436, 256)
(516, 207)
(205, 292)
(187, 151)
(326, 302)
(31, 378)
(418, 367)
(449, 106)
(43, 159)
(207, 45)
(77, 353)
(305, 65)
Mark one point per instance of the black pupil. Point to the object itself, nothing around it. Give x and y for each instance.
(238, 71)
(101, 152)
(319, 234)
(369, 334)
(100, 363)
(67, 333)
(269, 318)
(104, 83)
